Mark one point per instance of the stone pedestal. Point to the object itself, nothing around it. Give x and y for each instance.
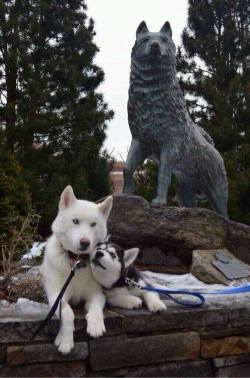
(210, 341)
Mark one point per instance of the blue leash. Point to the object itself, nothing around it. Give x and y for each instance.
(197, 295)
(169, 293)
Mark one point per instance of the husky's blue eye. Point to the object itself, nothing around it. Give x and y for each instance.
(75, 221)
(93, 224)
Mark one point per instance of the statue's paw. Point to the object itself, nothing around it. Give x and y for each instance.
(128, 190)
(158, 201)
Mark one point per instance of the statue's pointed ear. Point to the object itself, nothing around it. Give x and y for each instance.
(142, 29)
(167, 29)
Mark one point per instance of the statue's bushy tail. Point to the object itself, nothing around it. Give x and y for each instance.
(213, 178)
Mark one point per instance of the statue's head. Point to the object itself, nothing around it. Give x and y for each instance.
(154, 48)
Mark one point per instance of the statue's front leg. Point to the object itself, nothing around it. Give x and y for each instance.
(164, 177)
(136, 156)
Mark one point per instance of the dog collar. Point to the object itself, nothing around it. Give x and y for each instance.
(75, 257)
(82, 258)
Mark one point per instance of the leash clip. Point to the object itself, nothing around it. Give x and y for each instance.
(75, 263)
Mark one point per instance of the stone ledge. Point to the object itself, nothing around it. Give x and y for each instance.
(141, 321)
(219, 312)
(137, 343)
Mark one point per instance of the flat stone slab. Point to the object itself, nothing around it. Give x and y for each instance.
(44, 353)
(124, 351)
(170, 369)
(227, 346)
(55, 369)
(205, 266)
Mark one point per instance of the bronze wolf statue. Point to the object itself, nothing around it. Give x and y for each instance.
(163, 130)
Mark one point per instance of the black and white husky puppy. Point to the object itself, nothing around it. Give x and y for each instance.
(111, 266)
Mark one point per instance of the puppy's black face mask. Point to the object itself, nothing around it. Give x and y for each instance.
(108, 256)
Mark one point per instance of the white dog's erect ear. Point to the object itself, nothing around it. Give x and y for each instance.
(166, 29)
(106, 206)
(129, 256)
(142, 29)
(67, 198)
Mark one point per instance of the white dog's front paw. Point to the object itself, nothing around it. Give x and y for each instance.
(58, 339)
(95, 325)
(132, 302)
(154, 304)
(64, 344)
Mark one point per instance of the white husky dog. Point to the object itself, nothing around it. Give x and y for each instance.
(111, 266)
(78, 228)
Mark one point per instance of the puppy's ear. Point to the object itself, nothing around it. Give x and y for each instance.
(130, 255)
(142, 29)
(67, 198)
(166, 29)
(106, 206)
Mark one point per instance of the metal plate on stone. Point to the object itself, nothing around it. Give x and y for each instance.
(231, 268)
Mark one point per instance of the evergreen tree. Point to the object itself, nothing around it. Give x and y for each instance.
(52, 116)
(214, 67)
(15, 203)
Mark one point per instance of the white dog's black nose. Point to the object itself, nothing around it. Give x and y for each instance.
(84, 244)
(98, 255)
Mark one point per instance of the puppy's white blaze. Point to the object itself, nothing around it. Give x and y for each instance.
(129, 256)
(106, 206)
(67, 197)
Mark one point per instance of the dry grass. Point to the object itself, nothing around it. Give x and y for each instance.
(27, 287)
(21, 240)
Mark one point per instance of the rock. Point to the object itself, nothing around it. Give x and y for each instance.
(231, 361)
(227, 346)
(203, 269)
(2, 353)
(135, 222)
(16, 355)
(170, 369)
(55, 369)
(156, 260)
(234, 371)
(110, 353)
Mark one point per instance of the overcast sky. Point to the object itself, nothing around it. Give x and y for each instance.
(116, 22)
